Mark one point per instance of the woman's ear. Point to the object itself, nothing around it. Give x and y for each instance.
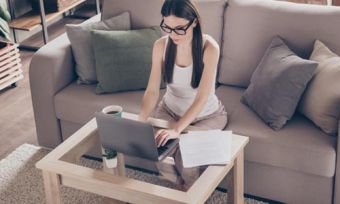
(194, 24)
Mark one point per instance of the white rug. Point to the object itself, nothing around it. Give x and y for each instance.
(21, 182)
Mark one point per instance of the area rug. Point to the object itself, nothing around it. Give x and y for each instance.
(21, 182)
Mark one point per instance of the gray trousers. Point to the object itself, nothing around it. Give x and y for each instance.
(216, 120)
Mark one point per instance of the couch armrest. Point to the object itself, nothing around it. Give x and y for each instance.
(336, 193)
(51, 69)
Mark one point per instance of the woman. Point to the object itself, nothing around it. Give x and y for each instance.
(188, 61)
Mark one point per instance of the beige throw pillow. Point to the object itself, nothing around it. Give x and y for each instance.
(321, 100)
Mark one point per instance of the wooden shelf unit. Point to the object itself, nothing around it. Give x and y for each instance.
(10, 66)
(32, 20)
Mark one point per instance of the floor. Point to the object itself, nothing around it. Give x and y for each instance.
(17, 124)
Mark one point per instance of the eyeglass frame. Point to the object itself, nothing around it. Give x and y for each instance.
(184, 28)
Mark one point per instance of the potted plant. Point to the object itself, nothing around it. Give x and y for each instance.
(5, 17)
(10, 66)
(110, 158)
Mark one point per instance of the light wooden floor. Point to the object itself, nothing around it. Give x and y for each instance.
(17, 124)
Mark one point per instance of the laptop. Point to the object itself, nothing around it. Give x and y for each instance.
(130, 137)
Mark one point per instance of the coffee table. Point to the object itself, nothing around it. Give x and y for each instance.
(60, 167)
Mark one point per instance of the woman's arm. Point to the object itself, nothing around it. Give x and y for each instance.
(210, 59)
(151, 94)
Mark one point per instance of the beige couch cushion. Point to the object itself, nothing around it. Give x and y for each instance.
(77, 103)
(143, 15)
(321, 100)
(299, 145)
(251, 24)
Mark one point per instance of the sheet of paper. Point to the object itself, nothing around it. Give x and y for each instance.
(205, 147)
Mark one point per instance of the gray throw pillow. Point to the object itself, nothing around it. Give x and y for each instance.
(80, 38)
(277, 84)
(123, 58)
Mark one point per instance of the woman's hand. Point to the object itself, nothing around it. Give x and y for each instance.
(163, 135)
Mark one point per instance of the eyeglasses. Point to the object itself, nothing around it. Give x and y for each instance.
(178, 31)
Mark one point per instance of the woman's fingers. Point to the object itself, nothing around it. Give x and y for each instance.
(159, 132)
(159, 135)
(161, 138)
(165, 141)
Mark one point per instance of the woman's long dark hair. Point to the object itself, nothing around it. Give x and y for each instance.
(184, 9)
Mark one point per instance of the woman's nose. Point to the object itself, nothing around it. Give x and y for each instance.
(173, 34)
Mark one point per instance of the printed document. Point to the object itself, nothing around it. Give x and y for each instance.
(205, 147)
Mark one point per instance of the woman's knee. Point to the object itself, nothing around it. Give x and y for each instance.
(219, 122)
(163, 114)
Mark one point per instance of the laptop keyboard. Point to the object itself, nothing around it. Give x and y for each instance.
(161, 149)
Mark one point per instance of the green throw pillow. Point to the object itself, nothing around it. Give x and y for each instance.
(80, 38)
(123, 58)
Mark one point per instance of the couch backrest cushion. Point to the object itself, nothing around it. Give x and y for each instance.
(147, 13)
(250, 26)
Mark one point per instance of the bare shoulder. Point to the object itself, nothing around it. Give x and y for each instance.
(160, 44)
(158, 51)
(211, 47)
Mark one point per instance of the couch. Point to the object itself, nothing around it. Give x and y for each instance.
(297, 164)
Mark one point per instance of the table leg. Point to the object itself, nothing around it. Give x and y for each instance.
(120, 170)
(236, 181)
(116, 171)
(52, 187)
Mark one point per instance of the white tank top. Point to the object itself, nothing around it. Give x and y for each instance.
(180, 95)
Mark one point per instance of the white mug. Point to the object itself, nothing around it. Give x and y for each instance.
(113, 110)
